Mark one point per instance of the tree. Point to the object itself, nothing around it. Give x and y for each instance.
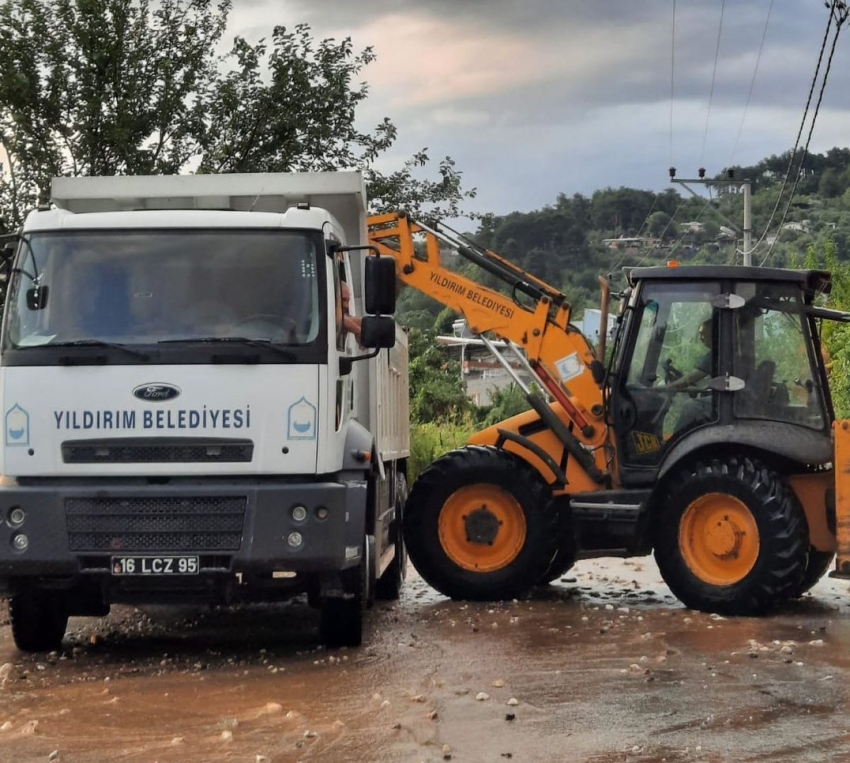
(100, 87)
(436, 387)
(506, 402)
(104, 87)
(658, 224)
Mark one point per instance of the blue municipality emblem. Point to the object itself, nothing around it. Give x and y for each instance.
(17, 427)
(301, 421)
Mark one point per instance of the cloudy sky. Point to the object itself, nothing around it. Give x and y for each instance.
(537, 97)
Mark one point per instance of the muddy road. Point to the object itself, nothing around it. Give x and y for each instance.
(603, 666)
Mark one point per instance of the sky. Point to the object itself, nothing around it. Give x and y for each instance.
(533, 98)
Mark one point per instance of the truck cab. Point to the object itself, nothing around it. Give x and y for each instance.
(186, 416)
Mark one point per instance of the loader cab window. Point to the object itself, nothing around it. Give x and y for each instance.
(771, 356)
(663, 389)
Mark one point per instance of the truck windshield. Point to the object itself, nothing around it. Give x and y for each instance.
(145, 287)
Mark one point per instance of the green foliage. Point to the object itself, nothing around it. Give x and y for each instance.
(436, 388)
(126, 87)
(288, 105)
(836, 336)
(101, 87)
(431, 440)
(506, 402)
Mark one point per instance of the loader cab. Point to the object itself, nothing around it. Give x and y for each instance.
(705, 348)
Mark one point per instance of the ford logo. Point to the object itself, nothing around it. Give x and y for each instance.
(155, 392)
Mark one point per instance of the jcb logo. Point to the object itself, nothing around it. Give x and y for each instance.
(645, 442)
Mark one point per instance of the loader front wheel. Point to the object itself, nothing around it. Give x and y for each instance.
(479, 526)
(731, 538)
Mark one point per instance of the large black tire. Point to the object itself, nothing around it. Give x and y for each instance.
(817, 566)
(731, 538)
(478, 525)
(38, 619)
(563, 562)
(390, 584)
(567, 553)
(341, 619)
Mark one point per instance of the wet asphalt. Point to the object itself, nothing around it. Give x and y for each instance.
(605, 665)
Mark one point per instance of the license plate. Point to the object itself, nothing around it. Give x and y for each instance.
(155, 565)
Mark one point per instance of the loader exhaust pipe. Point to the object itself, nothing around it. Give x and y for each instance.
(603, 319)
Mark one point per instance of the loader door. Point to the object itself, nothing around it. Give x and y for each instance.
(774, 354)
(661, 390)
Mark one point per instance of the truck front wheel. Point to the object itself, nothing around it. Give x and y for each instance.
(390, 584)
(38, 619)
(730, 538)
(341, 617)
(478, 525)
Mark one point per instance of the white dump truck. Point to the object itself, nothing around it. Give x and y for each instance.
(188, 417)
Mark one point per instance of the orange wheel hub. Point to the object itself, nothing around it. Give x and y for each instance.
(719, 539)
(482, 528)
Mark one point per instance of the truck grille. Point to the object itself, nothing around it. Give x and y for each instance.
(202, 523)
(151, 451)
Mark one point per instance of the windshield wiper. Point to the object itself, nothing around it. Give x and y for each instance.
(99, 343)
(265, 344)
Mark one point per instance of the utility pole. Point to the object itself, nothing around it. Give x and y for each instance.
(748, 211)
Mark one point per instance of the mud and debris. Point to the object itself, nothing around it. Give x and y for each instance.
(604, 665)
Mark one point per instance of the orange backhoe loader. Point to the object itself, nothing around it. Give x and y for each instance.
(707, 438)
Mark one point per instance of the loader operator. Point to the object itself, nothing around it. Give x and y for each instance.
(698, 410)
(703, 365)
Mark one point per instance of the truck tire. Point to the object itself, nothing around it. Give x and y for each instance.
(341, 618)
(390, 584)
(817, 566)
(478, 525)
(38, 619)
(730, 538)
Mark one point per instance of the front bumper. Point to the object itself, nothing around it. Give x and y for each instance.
(75, 528)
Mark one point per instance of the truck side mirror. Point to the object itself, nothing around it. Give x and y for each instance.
(377, 332)
(380, 286)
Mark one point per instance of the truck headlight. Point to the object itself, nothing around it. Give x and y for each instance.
(295, 539)
(20, 542)
(16, 516)
(299, 513)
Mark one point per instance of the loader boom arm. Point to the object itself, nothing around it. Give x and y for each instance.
(559, 354)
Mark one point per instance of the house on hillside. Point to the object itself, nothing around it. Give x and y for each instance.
(694, 226)
(590, 322)
(482, 374)
(628, 243)
(799, 227)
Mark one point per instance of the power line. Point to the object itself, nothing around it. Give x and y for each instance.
(752, 83)
(840, 19)
(713, 77)
(793, 153)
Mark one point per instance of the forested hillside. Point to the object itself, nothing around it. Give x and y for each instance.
(577, 238)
